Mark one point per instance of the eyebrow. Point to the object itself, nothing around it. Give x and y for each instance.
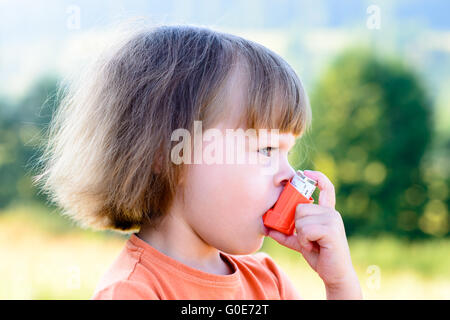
(283, 143)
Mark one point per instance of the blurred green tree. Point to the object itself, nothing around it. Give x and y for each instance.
(372, 124)
(21, 132)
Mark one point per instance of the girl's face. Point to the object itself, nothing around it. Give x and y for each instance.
(225, 202)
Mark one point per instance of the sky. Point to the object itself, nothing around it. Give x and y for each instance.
(43, 37)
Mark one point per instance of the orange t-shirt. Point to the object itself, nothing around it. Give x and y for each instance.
(142, 272)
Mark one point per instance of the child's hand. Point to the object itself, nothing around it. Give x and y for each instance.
(320, 238)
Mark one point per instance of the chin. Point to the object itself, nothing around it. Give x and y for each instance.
(252, 246)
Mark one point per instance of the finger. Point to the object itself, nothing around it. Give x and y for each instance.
(312, 219)
(307, 232)
(304, 242)
(316, 233)
(308, 209)
(306, 222)
(327, 196)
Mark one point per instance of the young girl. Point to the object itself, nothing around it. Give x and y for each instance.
(110, 164)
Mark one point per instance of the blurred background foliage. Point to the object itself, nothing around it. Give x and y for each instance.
(372, 135)
(380, 132)
(22, 131)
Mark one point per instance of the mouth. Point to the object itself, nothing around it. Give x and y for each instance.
(265, 230)
(273, 205)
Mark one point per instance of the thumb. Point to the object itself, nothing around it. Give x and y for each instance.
(310, 253)
(290, 241)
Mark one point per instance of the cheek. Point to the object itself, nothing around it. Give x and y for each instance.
(225, 204)
(230, 195)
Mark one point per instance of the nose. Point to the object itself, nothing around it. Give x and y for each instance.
(283, 176)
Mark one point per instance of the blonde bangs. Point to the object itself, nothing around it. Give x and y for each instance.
(282, 105)
(275, 96)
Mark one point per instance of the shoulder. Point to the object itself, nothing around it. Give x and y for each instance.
(261, 260)
(264, 261)
(126, 278)
(126, 290)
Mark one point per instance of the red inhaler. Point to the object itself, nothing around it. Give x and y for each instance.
(281, 216)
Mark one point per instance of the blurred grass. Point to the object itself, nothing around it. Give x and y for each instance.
(402, 269)
(44, 256)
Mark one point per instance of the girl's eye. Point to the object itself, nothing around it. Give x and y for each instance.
(265, 150)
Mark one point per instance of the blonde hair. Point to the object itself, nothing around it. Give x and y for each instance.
(107, 163)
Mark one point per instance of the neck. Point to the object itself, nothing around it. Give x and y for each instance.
(176, 239)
